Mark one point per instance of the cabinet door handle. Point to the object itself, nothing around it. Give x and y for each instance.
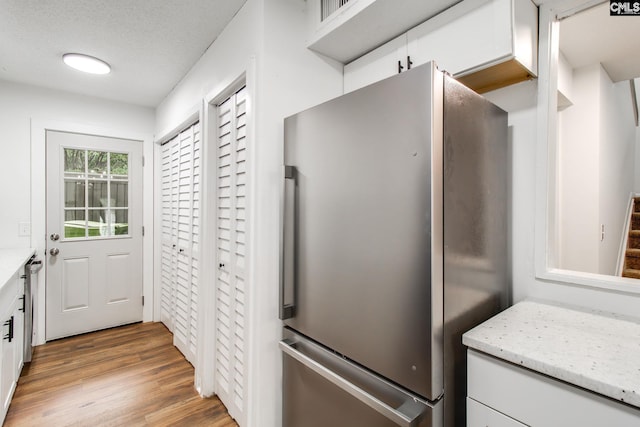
(400, 67)
(9, 323)
(409, 62)
(22, 308)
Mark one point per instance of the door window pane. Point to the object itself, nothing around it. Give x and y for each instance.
(74, 224)
(121, 225)
(74, 191)
(74, 160)
(100, 223)
(119, 194)
(119, 165)
(98, 194)
(97, 163)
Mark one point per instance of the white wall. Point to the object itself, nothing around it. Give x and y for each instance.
(22, 191)
(224, 61)
(267, 41)
(595, 171)
(579, 174)
(292, 78)
(617, 166)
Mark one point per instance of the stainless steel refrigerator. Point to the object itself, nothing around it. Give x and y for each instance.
(394, 243)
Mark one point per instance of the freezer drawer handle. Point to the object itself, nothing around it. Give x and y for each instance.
(287, 244)
(408, 414)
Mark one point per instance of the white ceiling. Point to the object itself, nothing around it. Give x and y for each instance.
(593, 36)
(150, 44)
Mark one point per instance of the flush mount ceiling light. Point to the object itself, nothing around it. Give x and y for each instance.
(86, 63)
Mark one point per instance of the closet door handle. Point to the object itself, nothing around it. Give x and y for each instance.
(400, 67)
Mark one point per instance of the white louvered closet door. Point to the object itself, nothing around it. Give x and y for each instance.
(180, 248)
(195, 240)
(169, 213)
(230, 376)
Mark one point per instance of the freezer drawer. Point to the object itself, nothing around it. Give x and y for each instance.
(323, 389)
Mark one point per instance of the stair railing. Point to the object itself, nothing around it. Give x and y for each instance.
(624, 241)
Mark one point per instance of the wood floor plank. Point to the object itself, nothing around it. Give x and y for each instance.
(126, 376)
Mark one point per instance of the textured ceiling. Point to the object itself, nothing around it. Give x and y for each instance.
(150, 44)
(593, 36)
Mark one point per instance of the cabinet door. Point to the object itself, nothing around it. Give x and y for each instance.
(383, 62)
(479, 415)
(18, 335)
(8, 369)
(470, 34)
(486, 44)
(521, 393)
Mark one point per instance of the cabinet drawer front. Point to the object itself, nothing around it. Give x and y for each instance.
(479, 415)
(537, 400)
(8, 293)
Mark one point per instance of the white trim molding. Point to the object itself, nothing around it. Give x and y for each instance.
(38, 206)
(205, 371)
(546, 195)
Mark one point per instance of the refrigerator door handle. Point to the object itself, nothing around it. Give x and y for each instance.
(407, 414)
(287, 244)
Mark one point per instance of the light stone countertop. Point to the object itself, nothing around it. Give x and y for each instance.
(594, 350)
(12, 260)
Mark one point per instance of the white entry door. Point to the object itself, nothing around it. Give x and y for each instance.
(94, 233)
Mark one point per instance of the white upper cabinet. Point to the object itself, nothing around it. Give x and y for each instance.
(387, 60)
(486, 44)
(358, 26)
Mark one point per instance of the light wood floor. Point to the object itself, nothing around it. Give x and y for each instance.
(127, 376)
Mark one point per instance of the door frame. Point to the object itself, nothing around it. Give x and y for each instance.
(38, 207)
(205, 370)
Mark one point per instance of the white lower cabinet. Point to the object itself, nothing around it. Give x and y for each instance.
(501, 394)
(7, 371)
(479, 415)
(12, 334)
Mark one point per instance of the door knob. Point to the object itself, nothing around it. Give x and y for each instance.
(54, 237)
(54, 251)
